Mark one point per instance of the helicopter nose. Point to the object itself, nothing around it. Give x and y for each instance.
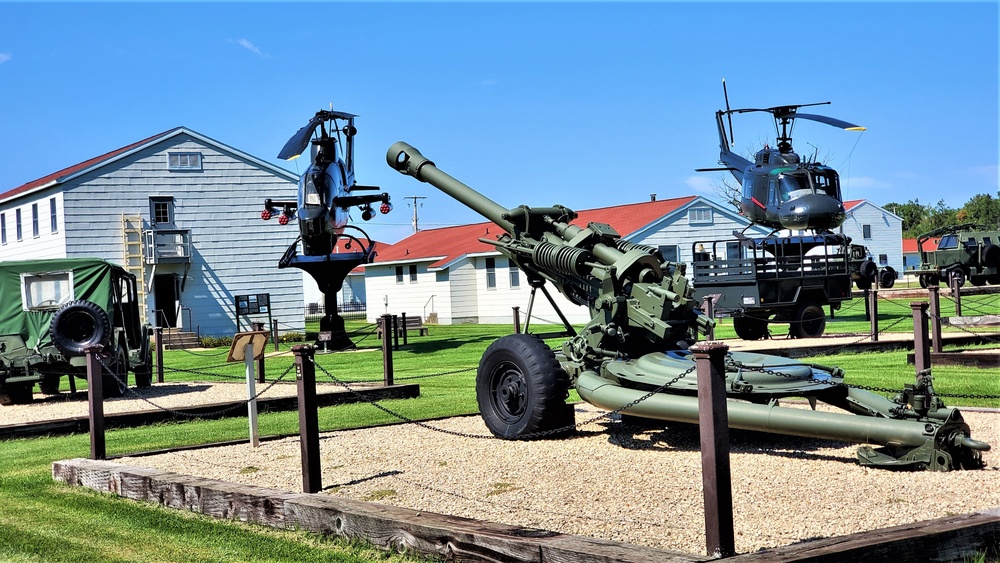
(813, 211)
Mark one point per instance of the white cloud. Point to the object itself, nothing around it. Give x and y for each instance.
(701, 184)
(246, 44)
(4, 57)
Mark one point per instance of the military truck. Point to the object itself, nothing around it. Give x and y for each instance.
(964, 252)
(51, 311)
(788, 279)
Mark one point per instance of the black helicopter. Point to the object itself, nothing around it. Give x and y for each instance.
(780, 191)
(326, 188)
(327, 191)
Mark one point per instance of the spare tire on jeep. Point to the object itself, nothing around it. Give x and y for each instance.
(78, 325)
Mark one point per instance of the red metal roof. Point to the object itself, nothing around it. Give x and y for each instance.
(851, 204)
(449, 243)
(69, 171)
(910, 245)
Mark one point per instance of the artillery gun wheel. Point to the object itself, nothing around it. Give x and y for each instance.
(750, 328)
(809, 321)
(521, 388)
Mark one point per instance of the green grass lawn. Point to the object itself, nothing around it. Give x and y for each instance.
(41, 520)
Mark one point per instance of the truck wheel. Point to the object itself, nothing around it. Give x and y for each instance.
(994, 279)
(809, 321)
(958, 274)
(750, 328)
(521, 388)
(49, 385)
(115, 378)
(887, 278)
(978, 281)
(991, 256)
(78, 325)
(16, 393)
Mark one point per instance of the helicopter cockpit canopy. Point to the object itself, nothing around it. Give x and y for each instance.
(792, 184)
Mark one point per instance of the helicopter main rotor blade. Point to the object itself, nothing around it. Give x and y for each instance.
(300, 140)
(829, 121)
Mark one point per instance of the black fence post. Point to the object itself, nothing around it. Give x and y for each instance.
(260, 363)
(708, 306)
(934, 310)
(395, 332)
(921, 348)
(305, 378)
(873, 317)
(402, 328)
(159, 354)
(517, 319)
(387, 350)
(713, 423)
(956, 292)
(95, 402)
(868, 312)
(274, 333)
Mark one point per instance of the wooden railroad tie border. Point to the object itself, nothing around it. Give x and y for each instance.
(391, 527)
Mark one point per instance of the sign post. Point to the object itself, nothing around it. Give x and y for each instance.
(247, 347)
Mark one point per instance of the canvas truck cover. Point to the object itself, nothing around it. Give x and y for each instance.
(27, 308)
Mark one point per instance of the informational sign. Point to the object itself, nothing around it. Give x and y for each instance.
(257, 304)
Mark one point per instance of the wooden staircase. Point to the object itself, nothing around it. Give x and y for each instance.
(175, 339)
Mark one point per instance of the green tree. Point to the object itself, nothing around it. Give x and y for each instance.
(912, 213)
(983, 209)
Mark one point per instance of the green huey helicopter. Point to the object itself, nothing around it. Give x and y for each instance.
(781, 191)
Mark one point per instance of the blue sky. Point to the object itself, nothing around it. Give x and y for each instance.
(586, 105)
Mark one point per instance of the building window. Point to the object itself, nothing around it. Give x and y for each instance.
(161, 210)
(732, 250)
(670, 253)
(515, 274)
(413, 273)
(3, 228)
(883, 259)
(17, 224)
(491, 273)
(184, 161)
(399, 274)
(701, 215)
(866, 231)
(34, 220)
(53, 218)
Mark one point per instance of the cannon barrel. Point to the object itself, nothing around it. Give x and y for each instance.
(408, 160)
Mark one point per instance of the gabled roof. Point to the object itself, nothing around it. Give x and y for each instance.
(851, 204)
(445, 245)
(86, 166)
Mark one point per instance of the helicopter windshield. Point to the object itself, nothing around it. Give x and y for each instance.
(805, 182)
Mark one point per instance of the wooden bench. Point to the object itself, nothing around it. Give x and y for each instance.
(412, 323)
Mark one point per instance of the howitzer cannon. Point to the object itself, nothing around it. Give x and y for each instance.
(632, 357)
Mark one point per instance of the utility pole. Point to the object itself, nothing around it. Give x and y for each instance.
(416, 228)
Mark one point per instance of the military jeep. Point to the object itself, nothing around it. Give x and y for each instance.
(964, 252)
(52, 311)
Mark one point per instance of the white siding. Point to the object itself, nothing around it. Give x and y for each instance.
(416, 299)
(47, 244)
(886, 233)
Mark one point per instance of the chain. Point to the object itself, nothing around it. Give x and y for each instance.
(130, 391)
(528, 436)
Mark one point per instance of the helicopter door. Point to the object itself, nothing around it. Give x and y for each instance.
(774, 199)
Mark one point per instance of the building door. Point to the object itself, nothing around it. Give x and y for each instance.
(166, 292)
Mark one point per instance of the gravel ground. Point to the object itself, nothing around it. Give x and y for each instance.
(613, 480)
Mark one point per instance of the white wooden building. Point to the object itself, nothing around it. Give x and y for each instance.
(447, 275)
(878, 229)
(179, 210)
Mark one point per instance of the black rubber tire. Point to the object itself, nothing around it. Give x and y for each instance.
(49, 385)
(991, 256)
(115, 380)
(521, 388)
(750, 328)
(809, 321)
(959, 274)
(16, 393)
(144, 371)
(78, 325)
(887, 278)
(993, 279)
(978, 281)
(863, 283)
